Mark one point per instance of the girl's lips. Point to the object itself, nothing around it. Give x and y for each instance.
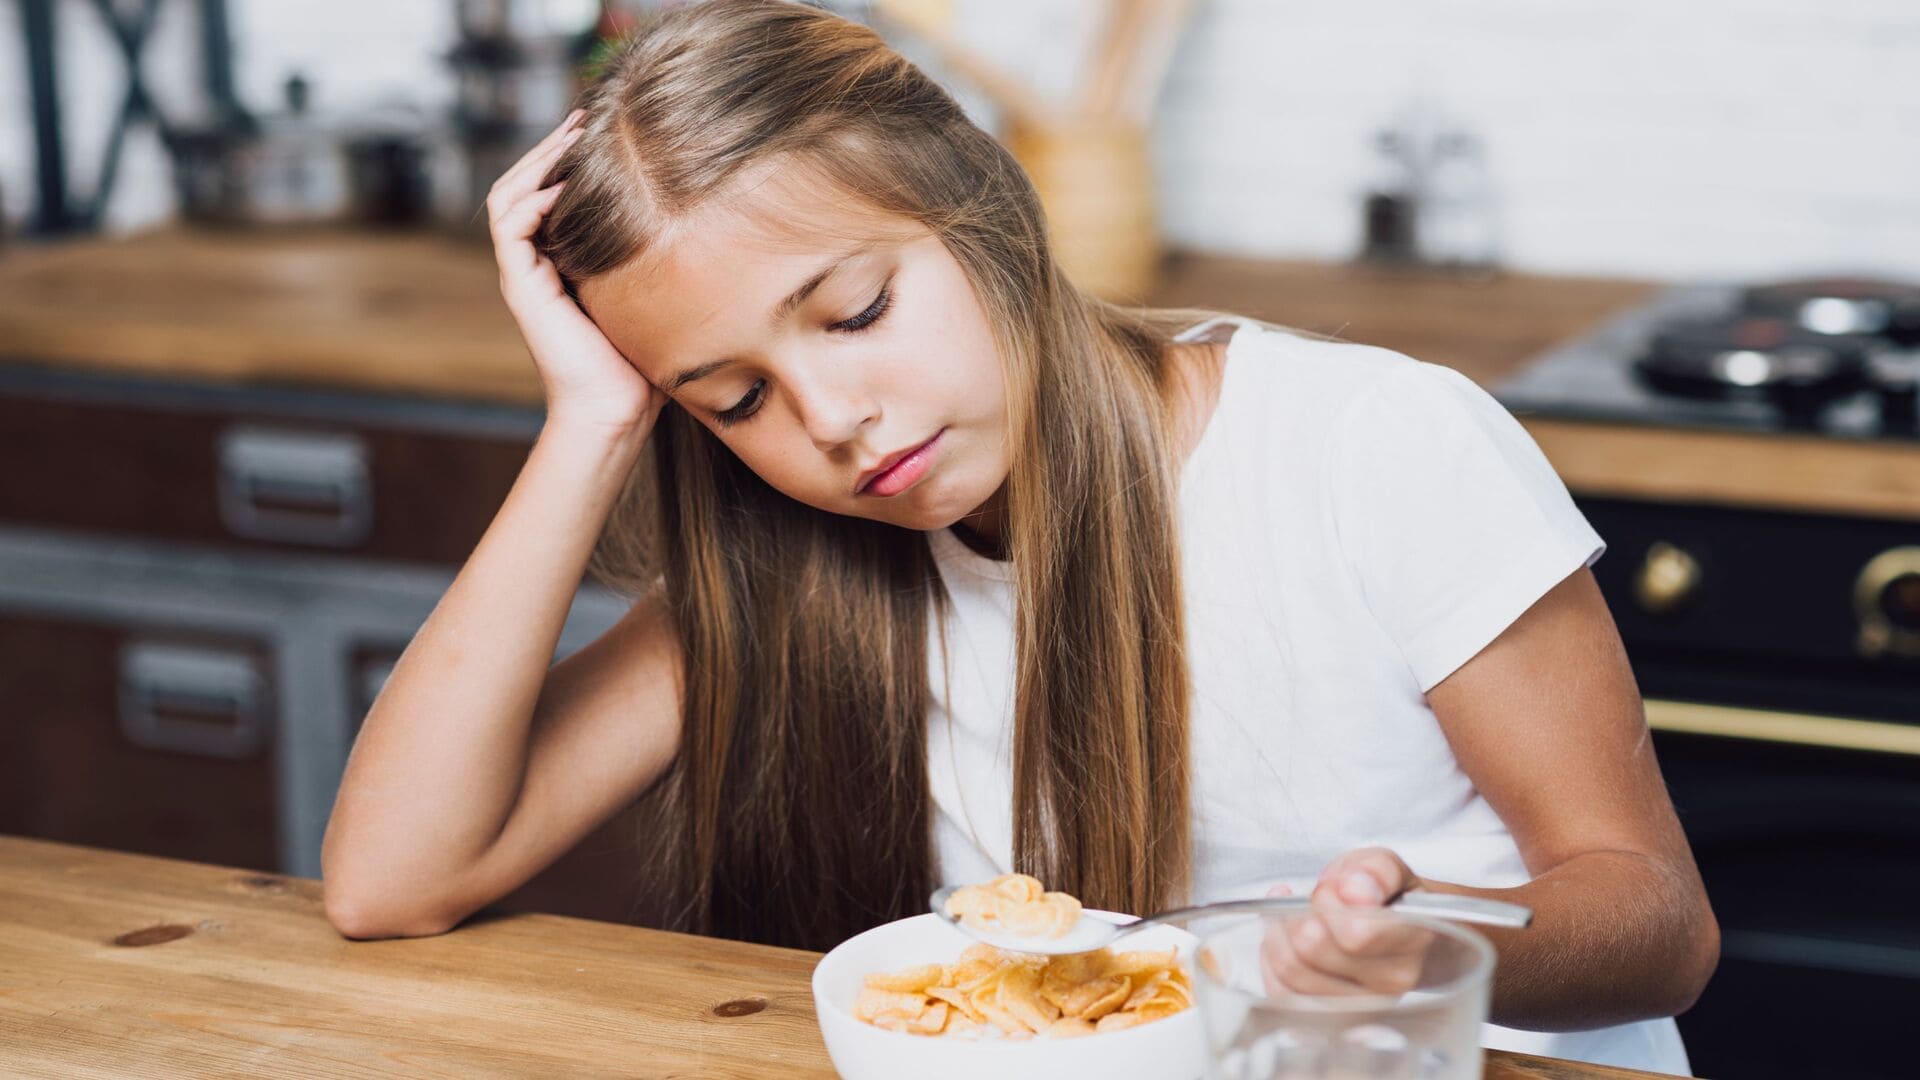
(905, 472)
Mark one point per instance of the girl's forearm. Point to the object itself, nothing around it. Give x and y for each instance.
(439, 760)
(1616, 936)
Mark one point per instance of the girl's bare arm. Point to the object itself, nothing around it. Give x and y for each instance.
(1547, 722)
(477, 766)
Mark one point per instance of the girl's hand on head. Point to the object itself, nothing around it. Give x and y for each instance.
(586, 378)
(1343, 945)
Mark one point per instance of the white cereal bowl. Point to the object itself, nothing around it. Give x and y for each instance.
(1173, 1048)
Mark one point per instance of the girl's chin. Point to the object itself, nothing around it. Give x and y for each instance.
(909, 515)
(916, 518)
(899, 510)
(928, 506)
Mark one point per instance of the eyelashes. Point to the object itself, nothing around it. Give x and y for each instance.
(873, 313)
(746, 407)
(750, 404)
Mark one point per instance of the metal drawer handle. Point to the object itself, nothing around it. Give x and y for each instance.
(299, 486)
(1802, 729)
(192, 700)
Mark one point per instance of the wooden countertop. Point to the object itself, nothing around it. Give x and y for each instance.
(401, 312)
(1489, 329)
(114, 964)
(420, 313)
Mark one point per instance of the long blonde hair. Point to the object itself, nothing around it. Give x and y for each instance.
(799, 799)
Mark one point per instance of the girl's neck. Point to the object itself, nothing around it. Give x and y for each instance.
(985, 530)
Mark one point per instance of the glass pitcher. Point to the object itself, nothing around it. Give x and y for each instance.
(1257, 1029)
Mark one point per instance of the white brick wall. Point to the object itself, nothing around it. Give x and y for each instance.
(1669, 138)
(1706, 137)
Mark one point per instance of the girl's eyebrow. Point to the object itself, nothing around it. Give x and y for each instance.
(799, 296)
(780, 312)
(692, 374)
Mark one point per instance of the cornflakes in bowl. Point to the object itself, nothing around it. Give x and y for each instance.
(917, 997)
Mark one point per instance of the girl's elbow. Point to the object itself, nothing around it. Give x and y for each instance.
(354, 917)
(1704, 957)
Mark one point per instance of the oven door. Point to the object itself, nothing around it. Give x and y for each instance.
(1807, 832)
(1773, 653)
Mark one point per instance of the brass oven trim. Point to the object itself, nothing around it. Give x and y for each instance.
(1801, 729)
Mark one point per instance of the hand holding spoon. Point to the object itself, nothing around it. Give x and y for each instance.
(1092, 932)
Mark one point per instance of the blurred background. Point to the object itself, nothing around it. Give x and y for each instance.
(259, 397)
(1728, 137)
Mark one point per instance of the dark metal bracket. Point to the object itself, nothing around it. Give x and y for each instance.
(57, 211)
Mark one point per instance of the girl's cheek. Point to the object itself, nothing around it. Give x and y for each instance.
(787, 471)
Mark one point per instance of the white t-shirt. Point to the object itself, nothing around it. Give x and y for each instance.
(1354, 526)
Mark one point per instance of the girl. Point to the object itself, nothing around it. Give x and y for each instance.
(944, 569)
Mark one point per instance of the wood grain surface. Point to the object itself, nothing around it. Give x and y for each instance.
(119, 965)
(420, 313)
(406, 312)
(1787, 472)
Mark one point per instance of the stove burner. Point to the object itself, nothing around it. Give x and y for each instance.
(1762, 357)
(1753, 356)
(1896, 375)
(1841, 305)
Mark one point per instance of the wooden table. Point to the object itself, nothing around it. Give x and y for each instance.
(118, 965)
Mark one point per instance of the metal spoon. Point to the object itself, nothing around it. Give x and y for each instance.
(1092, 932)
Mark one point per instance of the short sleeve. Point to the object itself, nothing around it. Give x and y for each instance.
(1448, 515)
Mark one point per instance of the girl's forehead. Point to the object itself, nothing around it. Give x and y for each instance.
(794, 210)
(714, 286)
(714, 273)
(727, 266)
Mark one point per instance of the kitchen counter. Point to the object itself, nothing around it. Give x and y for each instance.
(397, 312)
(420, 313)
(113, 964)
(1489, 329)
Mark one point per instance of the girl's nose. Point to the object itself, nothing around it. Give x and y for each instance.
(833, 414)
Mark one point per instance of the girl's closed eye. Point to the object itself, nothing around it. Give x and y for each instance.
(745, 407)
(750, 404)
(873, 313)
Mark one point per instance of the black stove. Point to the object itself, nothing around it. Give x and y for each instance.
(1779, 656)
(1835, 356)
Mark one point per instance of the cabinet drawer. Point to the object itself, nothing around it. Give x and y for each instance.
(148, 739)
(251, 479)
